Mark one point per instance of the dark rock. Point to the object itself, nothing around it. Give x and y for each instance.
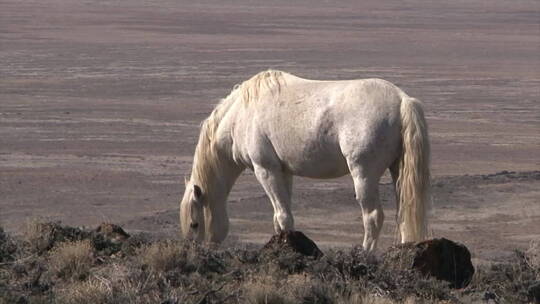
(109, 239)
(358, 270)
(296, 241)
(534, 293)
(489, 296)
(441, 258)
(112, 232)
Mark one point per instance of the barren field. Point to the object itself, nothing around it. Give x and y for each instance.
(101, 101)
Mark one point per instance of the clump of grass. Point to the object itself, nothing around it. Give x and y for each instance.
(532, 257)
(116, 283)
(315, 292)
(362, 298)
(508, 282)
(7, 297)
(263, 293)
(90, 291)
(72, 259)
(41, 236)
(163, 256)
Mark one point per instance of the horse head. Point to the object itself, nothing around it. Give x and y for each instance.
(192, 213)
(203, 215)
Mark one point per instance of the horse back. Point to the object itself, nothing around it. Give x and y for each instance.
(313, 127)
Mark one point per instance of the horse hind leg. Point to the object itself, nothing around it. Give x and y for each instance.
(367, 194)
(278, 187)
(394, 172)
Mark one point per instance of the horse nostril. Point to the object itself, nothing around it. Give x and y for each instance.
(194, 225)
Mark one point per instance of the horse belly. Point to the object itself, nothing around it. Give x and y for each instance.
(315, 161)
(309, 147)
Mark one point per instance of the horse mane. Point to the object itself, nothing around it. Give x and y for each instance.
(263, 82)
(207, 158)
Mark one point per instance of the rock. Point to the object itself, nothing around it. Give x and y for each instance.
(534, 292)
(296, 241)
(110, 239)
(112, 232)
(441, 258)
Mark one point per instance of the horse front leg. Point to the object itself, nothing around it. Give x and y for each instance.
(278, 187)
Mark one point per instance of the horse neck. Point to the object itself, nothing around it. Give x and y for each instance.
(218, 182)
(216, 188)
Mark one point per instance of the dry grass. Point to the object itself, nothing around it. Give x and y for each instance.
(163, 256)
(38, 234)
(298, 290)
(261, 293)
(370, 299)
(41, 236)
(90, 291)
(72, 259)
(80, 266)
(532, 256)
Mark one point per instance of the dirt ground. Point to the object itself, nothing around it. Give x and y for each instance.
(101, 101)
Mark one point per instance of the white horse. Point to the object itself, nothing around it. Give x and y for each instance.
(280, 125)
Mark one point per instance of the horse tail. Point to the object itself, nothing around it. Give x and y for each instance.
(413, 182)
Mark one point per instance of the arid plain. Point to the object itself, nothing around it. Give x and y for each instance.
(101, 101)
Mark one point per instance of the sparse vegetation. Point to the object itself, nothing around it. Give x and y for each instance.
(7, 247)
(163, 256)
(41, 236)
(72, 259)
(532, 256)
(90, 291)
(261, 293)
(57, 264)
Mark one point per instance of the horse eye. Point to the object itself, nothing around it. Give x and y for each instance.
(194, 225)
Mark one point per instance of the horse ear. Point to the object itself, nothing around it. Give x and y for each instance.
(197, 192)
(186, 181)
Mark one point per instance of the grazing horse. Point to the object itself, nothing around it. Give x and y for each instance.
(280, 125)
